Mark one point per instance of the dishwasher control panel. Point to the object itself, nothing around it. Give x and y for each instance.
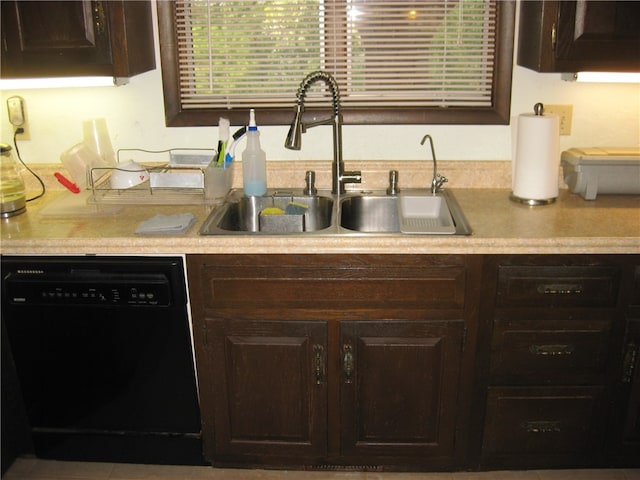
(33, 288)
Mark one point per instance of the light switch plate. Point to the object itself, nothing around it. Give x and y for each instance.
(565, 112)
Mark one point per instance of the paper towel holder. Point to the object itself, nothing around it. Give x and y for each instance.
(538, 109)
(532, 202)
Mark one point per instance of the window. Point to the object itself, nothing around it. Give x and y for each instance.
(396, 62)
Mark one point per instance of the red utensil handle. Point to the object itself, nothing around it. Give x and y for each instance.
(72, 187)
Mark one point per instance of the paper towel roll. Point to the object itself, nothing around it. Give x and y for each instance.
(537, 157)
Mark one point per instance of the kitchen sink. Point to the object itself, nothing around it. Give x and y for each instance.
(414, 211)
(277, 212)
(370, 214)
(409, 212)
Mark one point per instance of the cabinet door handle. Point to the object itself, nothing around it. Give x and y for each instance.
(347, 362)
(560, 288)
(552, 350)
(629, 363)
(99, 18)
(318, 363)
(542, 426)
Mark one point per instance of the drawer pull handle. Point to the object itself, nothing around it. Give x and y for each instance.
(560, 289)
(542, 426)
(318, 354)
(629, 364)
(347, 362)
(552, 350)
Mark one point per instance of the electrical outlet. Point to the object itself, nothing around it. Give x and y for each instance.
(25, 134)
(565, 112)
(18, 116)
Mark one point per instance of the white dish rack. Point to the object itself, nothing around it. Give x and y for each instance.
(178, 180)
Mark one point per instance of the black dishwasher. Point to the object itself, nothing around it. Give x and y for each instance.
(103, 354)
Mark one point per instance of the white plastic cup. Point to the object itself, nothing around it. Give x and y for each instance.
(217, 183)
(79, 160)
(96, 136)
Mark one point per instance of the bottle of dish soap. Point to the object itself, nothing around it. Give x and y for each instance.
(254, 161)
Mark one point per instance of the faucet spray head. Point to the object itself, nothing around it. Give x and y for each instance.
(294, 137)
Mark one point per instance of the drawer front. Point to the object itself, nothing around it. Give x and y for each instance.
(557, 286)
(543, 421)
(322, 287)
(566, 352)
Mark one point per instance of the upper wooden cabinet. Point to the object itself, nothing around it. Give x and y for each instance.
(572, 36)
(76, 38)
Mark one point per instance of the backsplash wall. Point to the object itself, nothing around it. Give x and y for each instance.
(603, 115)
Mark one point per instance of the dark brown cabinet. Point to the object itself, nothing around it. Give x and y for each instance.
(76, 38)
(555, 327)
(572, 36)
(624, 445)
(267, 387)
(535, 426)
(529, 349)
(629, 446)
(418, 362)
(323, 360)
(399, 380)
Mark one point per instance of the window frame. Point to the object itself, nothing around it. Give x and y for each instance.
(497, 114)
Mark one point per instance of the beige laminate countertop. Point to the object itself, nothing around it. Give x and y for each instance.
(610, 224)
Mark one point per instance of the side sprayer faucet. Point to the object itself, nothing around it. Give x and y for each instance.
(438, 180)
(294, 138)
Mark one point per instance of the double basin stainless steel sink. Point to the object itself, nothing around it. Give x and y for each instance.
(291, 212)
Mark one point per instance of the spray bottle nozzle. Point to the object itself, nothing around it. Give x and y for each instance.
(252, 120)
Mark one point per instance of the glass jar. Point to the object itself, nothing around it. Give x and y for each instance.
(12, 190)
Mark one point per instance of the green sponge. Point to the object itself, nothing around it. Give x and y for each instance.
(294, 208)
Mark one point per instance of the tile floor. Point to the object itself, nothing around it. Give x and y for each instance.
(35, 469)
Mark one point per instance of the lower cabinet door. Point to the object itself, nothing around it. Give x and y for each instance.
(624, 438)
(631, 376)
(399, 386)
(268, 390)
(543, 426)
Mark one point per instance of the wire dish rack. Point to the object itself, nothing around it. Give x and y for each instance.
(176, 181)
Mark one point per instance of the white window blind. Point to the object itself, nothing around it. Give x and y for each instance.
(254, 53)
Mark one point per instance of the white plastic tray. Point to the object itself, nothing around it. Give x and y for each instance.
(424, 214)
